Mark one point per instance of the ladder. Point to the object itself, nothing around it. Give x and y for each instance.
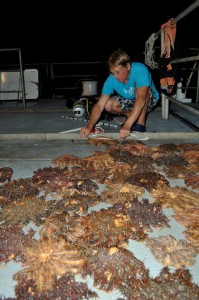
(21, 87)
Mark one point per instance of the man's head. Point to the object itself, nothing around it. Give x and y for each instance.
(118, 57)
(119, 65)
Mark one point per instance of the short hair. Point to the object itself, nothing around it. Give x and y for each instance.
(118, 57)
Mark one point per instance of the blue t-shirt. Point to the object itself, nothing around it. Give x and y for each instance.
(139, 76)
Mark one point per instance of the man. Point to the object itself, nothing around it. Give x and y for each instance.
(129, 90)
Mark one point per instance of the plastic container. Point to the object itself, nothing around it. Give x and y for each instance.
(89, 88)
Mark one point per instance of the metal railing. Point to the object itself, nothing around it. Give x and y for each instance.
(68, 76)
(166, 98)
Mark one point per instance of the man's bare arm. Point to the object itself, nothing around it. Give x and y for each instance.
(95, 115)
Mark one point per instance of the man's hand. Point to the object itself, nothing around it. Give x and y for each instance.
(124, 131)
(84, 132)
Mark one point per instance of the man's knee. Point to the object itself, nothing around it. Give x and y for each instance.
(109, 105)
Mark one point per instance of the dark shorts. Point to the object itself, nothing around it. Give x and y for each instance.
(127, 104)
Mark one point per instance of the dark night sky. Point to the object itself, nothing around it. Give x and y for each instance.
(90, 31)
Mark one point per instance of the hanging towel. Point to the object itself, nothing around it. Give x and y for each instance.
(168, 71)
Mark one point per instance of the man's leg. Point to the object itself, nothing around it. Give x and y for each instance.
(113, 106)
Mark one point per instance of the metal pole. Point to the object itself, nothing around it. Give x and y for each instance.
(189, 9)
(186, 107)
(197, 93)
(165, 107)
(190, 77)
(22, 79)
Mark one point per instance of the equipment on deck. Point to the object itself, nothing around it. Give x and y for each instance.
(79, 109)
(83, 106)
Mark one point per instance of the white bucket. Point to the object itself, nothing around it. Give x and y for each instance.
(89, 88)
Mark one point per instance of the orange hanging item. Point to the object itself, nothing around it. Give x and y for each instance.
(167, 70)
